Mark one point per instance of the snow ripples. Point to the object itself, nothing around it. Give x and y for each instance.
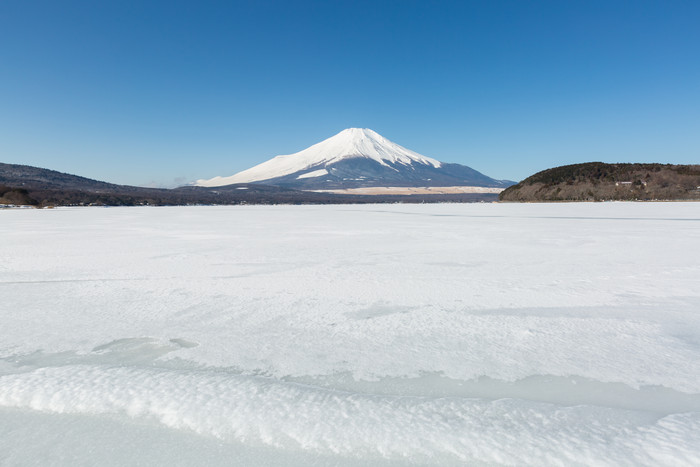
(429, 419)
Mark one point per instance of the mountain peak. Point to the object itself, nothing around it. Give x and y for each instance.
(351, 143)
(356, 157)
(357, 136)
(359, 133)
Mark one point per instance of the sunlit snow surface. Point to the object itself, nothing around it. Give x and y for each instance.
(487, 334)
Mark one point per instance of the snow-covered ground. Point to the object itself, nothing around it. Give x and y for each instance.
(528, 334)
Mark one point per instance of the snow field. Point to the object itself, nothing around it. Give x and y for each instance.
(509, 334)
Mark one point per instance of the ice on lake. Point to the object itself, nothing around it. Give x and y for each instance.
(528, 334)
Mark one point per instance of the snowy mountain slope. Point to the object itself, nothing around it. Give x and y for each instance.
(356, 157)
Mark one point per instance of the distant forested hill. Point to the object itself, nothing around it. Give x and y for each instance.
(598, 181)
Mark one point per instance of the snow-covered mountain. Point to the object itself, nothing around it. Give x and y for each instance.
(357, 157)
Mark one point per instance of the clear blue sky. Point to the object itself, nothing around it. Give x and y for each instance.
(164, 92)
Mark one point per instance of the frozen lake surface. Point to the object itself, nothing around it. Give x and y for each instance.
(529, 334)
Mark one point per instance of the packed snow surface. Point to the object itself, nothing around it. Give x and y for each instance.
(349, 143)
(481, 334)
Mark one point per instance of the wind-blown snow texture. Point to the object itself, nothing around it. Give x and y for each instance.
(386, 335)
